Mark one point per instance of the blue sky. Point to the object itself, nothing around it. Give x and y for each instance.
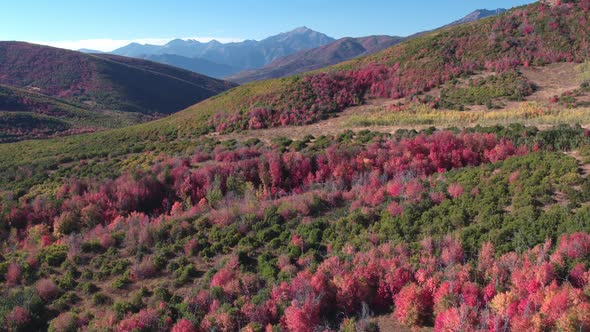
(104, 24)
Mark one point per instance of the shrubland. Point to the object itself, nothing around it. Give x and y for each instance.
(427, 228)
(162, 227)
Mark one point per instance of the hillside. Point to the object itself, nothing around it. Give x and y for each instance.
(25, 115)
(333, 200)
(324, 56)
(101, 83)
(414, 63)
(534, 35)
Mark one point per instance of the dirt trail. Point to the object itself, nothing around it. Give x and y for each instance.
(331, 126)
(388, 323)
(584, 166)
(551, 80)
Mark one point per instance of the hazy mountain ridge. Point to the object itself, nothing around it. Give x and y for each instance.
(478, 15)
(240, 55)
(338, 51)
(341, 50)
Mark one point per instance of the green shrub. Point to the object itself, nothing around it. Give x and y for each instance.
(89, 288)
(122, 282)
(67, 281)
(101, 299)
(92, 247)
(54, 254)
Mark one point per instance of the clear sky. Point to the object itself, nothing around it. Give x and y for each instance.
(107, 24)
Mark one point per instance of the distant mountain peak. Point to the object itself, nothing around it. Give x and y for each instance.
(478, 15)
(302, 29)
(242, 55)
(481, 13)
(304, 32)
(90, 51)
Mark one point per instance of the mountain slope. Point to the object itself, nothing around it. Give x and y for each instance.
(336, 52)
(136, 49)
(103, 82)
(240, 55)
(25, 114)
(197, 65)
(533, 35)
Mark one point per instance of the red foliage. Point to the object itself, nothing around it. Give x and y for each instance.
(191, 247)
(14, 274)
(448, 321)
(302, 317)
(371, 174)
(17, 319)
(455, 190)
(66, 321)
(184, 325)
(144, 320)
(46, 289)
(395, 209)
(574, 246)
(413, 305)
(452, 253)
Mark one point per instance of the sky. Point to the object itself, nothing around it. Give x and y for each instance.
(108, 24)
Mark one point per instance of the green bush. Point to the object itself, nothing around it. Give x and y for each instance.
(100, 299)
(54, 254)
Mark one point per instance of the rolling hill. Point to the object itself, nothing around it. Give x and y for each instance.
(103, 82)
(533, 35)
(48, 91)
(25, 114)
(528, 36)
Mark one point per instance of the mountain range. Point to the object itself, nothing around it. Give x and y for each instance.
(333, 53)
(48, 91)
(340, 50)
(238, 55)
(277, 56)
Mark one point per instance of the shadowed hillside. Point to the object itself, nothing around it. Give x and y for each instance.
(101, 83)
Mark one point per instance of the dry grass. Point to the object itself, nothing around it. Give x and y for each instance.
(529, 113)
(377, 115)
